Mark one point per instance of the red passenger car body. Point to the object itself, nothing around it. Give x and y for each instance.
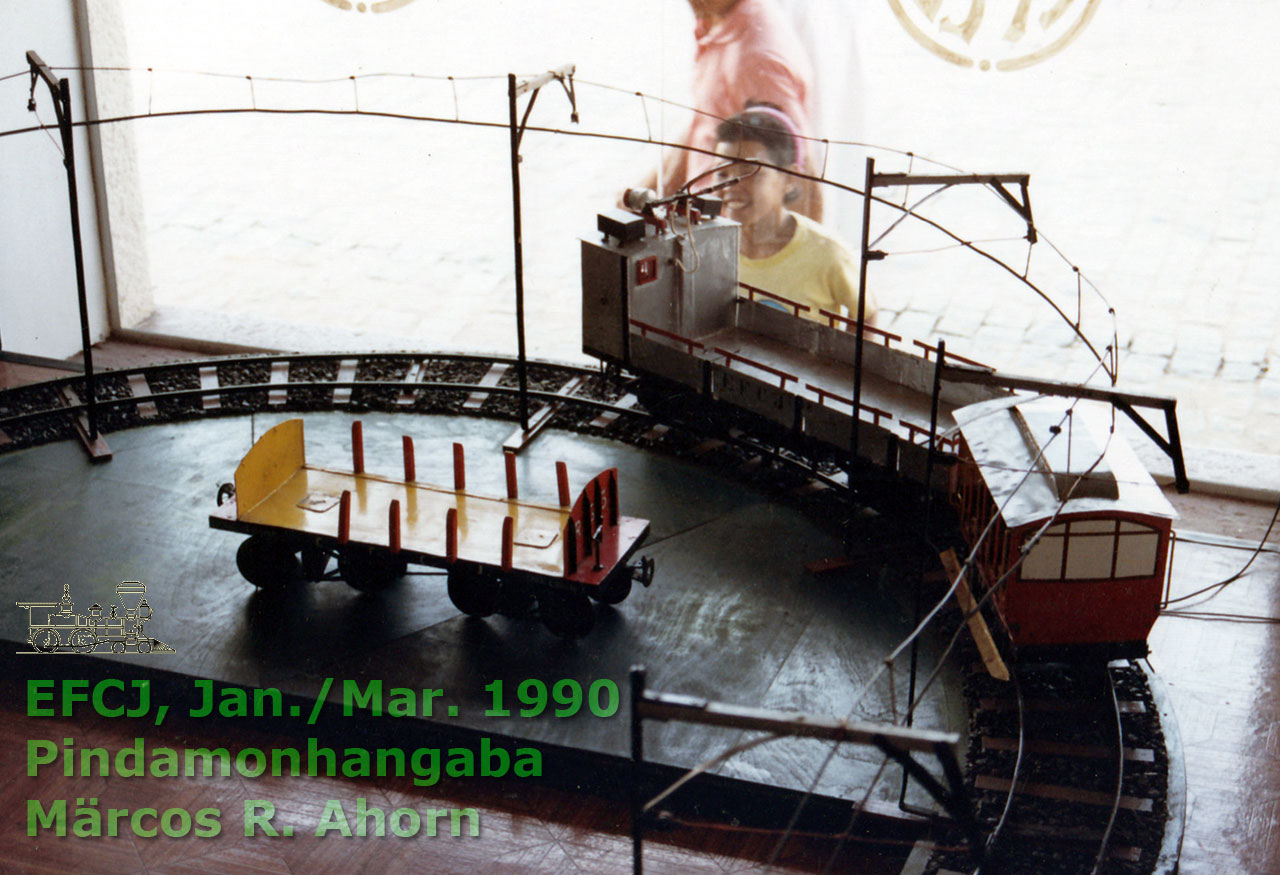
(1052, 481)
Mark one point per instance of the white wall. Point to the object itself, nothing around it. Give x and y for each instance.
(38, 310)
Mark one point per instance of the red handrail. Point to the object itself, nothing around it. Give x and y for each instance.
(951, 355)
(912, 430)
(645, 328)
(730, 357)
(832, 318)
(752, 291)
(823, 394)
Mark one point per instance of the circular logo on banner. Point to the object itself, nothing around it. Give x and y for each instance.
(1004, 34)
(380, 6)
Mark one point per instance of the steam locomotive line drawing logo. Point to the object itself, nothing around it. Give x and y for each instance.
(1005, 34)
(54, 627)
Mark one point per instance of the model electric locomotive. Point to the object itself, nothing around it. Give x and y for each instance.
(661, 299)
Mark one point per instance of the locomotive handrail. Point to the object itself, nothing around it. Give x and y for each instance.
(752, 291)
(645, 328)
(730, 357)
(823, 394)
(832, 318)
(944, 441)
(950, 355)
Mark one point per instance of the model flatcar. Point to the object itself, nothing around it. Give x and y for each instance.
(502, 555)
(666, 306)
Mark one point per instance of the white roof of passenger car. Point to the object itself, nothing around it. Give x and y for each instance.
(1073, 458)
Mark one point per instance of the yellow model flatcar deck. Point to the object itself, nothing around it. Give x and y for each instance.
(309, 500)
(276, 491)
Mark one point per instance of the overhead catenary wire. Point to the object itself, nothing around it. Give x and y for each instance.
(1222, 584)
(48, 129)
(911, 155)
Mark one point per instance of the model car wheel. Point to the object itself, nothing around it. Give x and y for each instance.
(516, 599)
(266, 562)
(567, 614)
(474, 591)
(369, 570)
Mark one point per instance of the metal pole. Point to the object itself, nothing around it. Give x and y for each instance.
(933, 438)
(61, 91)
(68, 145)
(862, 306)
(519, 251)
(637, 762)
(928, 525)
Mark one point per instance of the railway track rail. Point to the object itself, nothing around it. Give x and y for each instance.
(1069, 769)
(585, 399)
(442, 383)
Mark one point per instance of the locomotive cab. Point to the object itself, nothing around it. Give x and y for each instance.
(672, 277)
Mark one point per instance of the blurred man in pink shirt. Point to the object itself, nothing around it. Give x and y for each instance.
(747, 51)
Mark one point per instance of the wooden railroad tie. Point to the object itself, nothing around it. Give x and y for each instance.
(476, 399)
(1062, 793)
(139, 389)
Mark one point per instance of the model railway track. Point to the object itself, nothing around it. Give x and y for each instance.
(585, 399)
(1069, 773)
(407, 382)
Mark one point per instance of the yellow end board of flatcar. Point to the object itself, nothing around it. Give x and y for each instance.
(270, 462)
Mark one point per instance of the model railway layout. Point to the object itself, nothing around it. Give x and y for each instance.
(1068, 548)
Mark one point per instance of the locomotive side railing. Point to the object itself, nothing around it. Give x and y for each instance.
(945, 442)
(731, 357)
(951, 356)
(850, 324)
(876, 413)
(796, 306)
(646, 329)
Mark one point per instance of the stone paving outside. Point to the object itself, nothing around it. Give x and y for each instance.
(1152, 141)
